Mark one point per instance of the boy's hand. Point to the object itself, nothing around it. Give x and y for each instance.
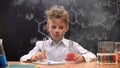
(78, 58)
(36, 57)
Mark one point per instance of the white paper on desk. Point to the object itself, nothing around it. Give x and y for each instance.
(48, 62)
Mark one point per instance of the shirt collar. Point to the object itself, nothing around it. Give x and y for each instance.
(64, 41)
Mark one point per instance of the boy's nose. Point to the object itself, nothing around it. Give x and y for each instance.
(57, 31)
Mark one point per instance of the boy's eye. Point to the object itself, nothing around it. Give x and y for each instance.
(53, 27)
(61, 27)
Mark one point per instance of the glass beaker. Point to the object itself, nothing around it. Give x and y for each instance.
(70, 56)
(3, 61)
(106, 54)
(106, 47)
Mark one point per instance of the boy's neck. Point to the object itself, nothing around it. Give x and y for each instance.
(56, 41)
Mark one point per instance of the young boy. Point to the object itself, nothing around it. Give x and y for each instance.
(56, 46)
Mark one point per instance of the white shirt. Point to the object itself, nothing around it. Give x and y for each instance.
(58, 51)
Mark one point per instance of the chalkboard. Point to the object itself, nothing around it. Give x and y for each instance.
(22, 23)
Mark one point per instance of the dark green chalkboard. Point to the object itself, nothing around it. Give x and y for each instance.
(22, 23)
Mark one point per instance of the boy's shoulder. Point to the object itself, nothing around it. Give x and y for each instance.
(69, 40)
(39, 42)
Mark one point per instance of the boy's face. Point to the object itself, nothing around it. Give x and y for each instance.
(57, 29)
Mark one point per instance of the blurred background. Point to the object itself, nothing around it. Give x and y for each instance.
(22, 23)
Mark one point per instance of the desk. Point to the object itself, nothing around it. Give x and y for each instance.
(79, 65)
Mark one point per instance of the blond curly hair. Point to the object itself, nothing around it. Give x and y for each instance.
(56, 12)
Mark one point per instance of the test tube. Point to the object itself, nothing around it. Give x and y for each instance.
(117, 50)
(44, 50)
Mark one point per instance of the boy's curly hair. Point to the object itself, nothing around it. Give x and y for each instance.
(57, 12)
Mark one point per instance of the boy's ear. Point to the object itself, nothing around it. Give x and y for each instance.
(47, 26)
(67, 28)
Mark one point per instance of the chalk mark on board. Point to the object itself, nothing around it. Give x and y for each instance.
(97, 36)
(41, 28)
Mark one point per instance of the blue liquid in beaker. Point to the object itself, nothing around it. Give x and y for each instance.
(3, 61)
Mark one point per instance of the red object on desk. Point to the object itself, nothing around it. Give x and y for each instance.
(70, 57)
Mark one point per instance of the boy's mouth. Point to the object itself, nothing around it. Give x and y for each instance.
(57, 35)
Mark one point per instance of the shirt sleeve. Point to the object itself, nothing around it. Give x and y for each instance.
(88, 56)
(32, 52)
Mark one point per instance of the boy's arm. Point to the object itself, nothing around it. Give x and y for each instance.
(34, 51)
(79, 58)
(28, 56)
(87, 55)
